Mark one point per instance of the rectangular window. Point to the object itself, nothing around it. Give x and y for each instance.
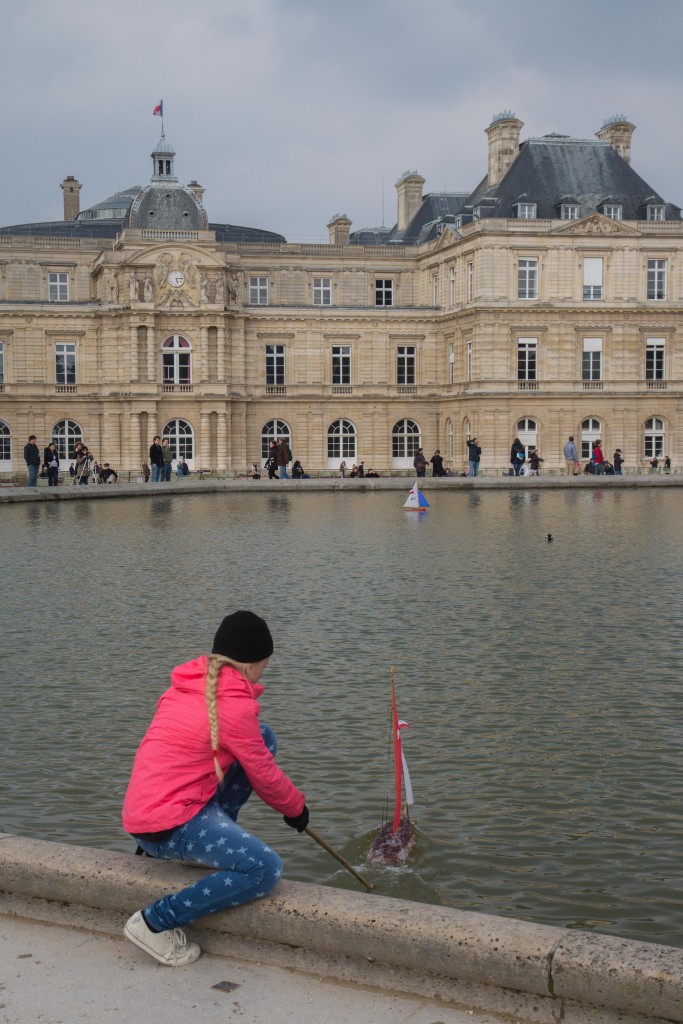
(569, 211)
(435, 289)
(58, 287)
(592, 278)
(451, 364)
(591, 363)
(654, 359)
(526, 211)
(275, 364)
(613, 212)
(341, 364)
(526, 358)
(65, 363)
(527, 279)
(258, 291)
(322, 291)
(656, 212)
(384, 292)
(451, 287)
(656, 279)
(470, 282)
(468, 359)
(405, 364)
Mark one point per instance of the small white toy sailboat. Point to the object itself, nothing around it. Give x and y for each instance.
(396, 838)
(416, 501)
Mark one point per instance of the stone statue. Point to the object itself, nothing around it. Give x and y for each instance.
(149, 288)
(220, 290)
(204, 288)
(112, 288)
(233, 284)
(133, 288)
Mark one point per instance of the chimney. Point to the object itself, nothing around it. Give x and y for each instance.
(503, 133)
(72, 200)
(198, 190)
(339, 229)
(409, 189)
(617, 131)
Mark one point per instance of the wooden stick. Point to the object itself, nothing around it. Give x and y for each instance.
(338, 856)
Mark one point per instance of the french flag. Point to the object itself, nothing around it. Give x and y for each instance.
(159, 109)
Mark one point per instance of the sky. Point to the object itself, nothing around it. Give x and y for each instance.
(290, 111)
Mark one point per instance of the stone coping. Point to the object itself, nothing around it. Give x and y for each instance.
(505, 965)
(10, 494)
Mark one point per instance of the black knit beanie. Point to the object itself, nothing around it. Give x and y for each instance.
(243, 636)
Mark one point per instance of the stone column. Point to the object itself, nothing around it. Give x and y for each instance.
(222, 442)
(203, 355)
(134, 448)
(220, 354)
(205, 441)
(153, 360)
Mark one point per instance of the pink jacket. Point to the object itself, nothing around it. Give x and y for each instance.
(173, 773)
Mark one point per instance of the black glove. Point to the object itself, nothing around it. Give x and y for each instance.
(300, 822)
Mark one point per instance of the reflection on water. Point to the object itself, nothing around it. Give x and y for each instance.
(542, 681)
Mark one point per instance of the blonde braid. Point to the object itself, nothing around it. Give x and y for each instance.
(213, 671)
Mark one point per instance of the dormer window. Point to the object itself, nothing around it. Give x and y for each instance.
(526, 211)
(656, 211)
(458, 221)
(569, 211)
(476, 213)
(612, 211)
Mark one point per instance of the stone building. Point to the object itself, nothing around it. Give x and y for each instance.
(542, 304)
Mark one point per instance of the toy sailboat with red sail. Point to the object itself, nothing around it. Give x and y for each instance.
(396, 837)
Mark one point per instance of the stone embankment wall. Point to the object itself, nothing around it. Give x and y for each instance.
(502, 965)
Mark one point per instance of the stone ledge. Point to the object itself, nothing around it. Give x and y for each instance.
(499, 964)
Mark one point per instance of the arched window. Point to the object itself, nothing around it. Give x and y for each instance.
(181, 440)
(5, 444)
(176, 357)
(527, 431)
(591, 431)
(654, 437)
(65, 435)
(271, 431)
(405, 440)
(341, 442)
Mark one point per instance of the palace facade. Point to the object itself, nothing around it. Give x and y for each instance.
(544, 303)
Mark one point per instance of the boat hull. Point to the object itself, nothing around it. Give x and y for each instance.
(389, 847)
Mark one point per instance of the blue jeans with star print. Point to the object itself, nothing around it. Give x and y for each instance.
(246, 867)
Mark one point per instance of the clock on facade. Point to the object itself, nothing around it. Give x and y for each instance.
(176, 279)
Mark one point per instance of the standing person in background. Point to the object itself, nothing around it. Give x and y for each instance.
(598, 459)
(83, 465)
(571, 458)
(474, 456)
(256, 470)
(196, 767)
(283, 457)
(167, 455)
(145, 472)
(667, 464)
(52, 464)
(32, 460)
(342, 469)
(618, 462)
(420, 463)
(271, 462)
(156, 459)
(535, 461)
(437, 464)
(517, 456)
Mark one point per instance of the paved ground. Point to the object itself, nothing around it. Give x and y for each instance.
(55, 975)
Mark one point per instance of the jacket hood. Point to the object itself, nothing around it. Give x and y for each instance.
(191, 677)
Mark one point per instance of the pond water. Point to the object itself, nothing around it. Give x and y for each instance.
(542, 680)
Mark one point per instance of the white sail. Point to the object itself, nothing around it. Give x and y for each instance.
(416, 499)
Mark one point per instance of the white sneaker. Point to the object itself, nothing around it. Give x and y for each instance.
(170, 948)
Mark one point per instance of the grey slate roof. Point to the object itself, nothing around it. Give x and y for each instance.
(436, 209)
(558, 169)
